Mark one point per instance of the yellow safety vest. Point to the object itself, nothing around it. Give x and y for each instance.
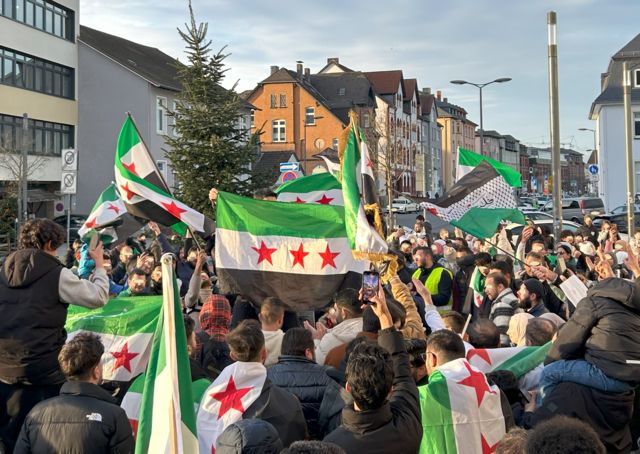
(432, 285)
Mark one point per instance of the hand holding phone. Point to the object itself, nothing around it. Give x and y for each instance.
(93, 243)
(370, 285)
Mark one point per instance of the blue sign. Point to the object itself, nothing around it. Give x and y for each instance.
(593, 169)
(288, 176)
(289, 167)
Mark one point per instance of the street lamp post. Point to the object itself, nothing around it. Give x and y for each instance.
(480, 87)
(628, 141)
(554, 111)
(305, 139)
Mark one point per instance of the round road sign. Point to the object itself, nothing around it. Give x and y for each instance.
(59, 207)
(288, 176)
(593, 169)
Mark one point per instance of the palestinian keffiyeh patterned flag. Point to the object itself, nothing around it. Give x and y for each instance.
(297, 252)
(125, 327)
(225, 401)
(468, 160)
(167, 421)
(518, 360)
(145, 192)
(110, 219)
(461, 412)
(477, 202)
(320, 188)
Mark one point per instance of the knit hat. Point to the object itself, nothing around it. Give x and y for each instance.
(450, 254)
(534, 286)
(587, 248)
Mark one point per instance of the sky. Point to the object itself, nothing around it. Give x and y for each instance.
(434, 42)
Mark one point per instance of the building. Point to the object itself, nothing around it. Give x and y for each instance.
(511, 152)
(457, 131)
(120, 76)
(608, 112)
(431, 138)
(39, 61)
(572, 170)
(306, 113)
(493, 146)
(527, 183)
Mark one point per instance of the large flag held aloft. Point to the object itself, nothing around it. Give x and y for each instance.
(477, 202)
(518, 360)
(144, 191)
(294, 251)
(320, 188)
(468, 160)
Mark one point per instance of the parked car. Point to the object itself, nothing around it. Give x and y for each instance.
(403, 205)
(618, 216)
(76, 222)
(516, 229)
(574, 209)
(537, 215)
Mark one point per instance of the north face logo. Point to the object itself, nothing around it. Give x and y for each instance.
(94, 417)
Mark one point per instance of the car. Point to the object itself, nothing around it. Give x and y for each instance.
(618, 216)
(76, 221)
(537, 215)
(574, 209)
(516, 229)
(402, 205)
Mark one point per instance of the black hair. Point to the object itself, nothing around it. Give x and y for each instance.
(499, 279)
(446, 344)
(296, 341)
(506, 381)
(539, 331)
(370, 376)
(371, 322)
(419, 217)
(313, 447)
(246, 341)
(349, 300)
(483, 259)
(503, 266)
(427, 250)
(484, 333)
(36, 233)
(263, 193)
(189, 325)
(80, 356)
(464, 241)
(565, 233)
(562, 434)
(466, 250)
(138, 272)
(416, 348)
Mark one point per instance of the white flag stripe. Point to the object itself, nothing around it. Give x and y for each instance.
(234, 251)
(138, 154)
(106, 212)
(367, 238)
(131, 404)
(313, 196)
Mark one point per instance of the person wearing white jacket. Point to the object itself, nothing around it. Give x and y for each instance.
(347, 312)
(272, 317)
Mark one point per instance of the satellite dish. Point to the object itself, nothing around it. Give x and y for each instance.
(319, 144)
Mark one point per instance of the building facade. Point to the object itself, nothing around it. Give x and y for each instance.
(511, 152)
(39, 61)
(527, 183)
(431, 142)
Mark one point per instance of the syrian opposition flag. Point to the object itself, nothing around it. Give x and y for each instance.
(468, 160)
(461, 413)
(145, 192)
(518, 360)
(477, 202)
(365, 240)
(132, 400)
(125, 327)
(110, 219)
(167, 421)
(297, 252)
(225, 401)
(320, 188)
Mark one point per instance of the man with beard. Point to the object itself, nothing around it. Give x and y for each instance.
(531, 297)
(137, 284)
(438, 280)
(405, 248)
(536, 268)
(119, 272)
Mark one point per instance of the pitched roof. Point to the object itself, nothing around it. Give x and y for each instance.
(270, 160)
(331, 61)
(149, 63)
(490, 133)
(410, 87)
(358, 90)
(386, 82)
(593, 159)
(426, 101)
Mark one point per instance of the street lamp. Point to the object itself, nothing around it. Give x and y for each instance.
(305, 138)
(594, 136)
(481, 86)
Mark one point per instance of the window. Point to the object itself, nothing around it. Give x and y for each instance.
(274, 101)
(367, 120)
(23, 71)
(335, 144)
(341, 91)
(253, 118)
(161, 121)
(636, 125)
(176, 133)
(309, 114)
(279, 133)
(44, 137)
(637, 78)
(162, 167)
(41, 14)
(283, 100)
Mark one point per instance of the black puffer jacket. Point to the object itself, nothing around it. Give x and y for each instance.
(82, 419)
(249, 436)
(604, 330)
(304, 379)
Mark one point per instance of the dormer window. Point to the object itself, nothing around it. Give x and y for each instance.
(341, 91)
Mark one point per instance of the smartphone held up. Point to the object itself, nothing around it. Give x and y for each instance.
(370, 285)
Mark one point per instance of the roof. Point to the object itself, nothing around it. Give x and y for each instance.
(270, 160)
(593, 159)
(571, 152)
(387, 82)
(411, 86)
(339, 65)
(330, 154)
(358, 91)
(510, 138)
(445, 108)
(426, 101)
(489, 133)
(149, 63)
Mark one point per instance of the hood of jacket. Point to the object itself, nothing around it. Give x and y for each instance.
(624, 292)
(348, 329)
(249, 436)
(24, 267)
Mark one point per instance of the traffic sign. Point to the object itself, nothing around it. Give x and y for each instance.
(289, 166)
(69, 182)
(594, 177)
(593, 169)
(69, 160)
(288, 176)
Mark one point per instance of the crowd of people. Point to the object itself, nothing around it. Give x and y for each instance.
(355, 377)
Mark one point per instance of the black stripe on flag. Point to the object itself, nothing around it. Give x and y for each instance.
(148, 210)
(125, 225)
(478, 177)
(369, 190)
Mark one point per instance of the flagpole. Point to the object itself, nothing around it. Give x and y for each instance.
(170, 313)
(146, 147)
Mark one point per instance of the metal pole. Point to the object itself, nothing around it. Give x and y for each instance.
(481, 126)
(25, 166)
(555, 124)
(305, 146)
(628, 141)
(67, 203)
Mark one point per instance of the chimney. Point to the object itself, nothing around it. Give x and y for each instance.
(445, 99)
(299, 71)
(307, 75)
(439, 93)
(428, 90)
(333, 60)
(274, 69)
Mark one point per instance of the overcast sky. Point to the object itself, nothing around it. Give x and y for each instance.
(435, 42)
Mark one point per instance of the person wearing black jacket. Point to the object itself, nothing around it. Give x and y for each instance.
(385, 416)
(298, 373)
(84, 417)
(588, 231)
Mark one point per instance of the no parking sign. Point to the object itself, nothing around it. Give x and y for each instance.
(288, 176)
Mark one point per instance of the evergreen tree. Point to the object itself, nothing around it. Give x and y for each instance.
(210, 149)
(8, 215)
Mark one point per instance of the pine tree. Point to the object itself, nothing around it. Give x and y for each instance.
(210, 150)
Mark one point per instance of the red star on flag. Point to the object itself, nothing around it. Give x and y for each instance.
(368, 162)
(328, 256)
(174, 209)
(298, 256)
(486, 449)
(298, 200)
(478, 382)
(91, 224)
(213, 449)
(131, 168)
(325, 200)
(123, 358)
(231, 398)
(265, 253)
(481, 352)
(129, 192)
(114, 208)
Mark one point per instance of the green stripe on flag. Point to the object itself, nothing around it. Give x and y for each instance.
(439, 434)
(317, 182)
(471, 159)
(242, 214)
(350, 190)
(528, 359)
(108, 195)
(482, 222)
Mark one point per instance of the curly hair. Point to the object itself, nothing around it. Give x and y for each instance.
(80, 355)
(563, 434)
(36, 233)
(246, 341)
(369, 375)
